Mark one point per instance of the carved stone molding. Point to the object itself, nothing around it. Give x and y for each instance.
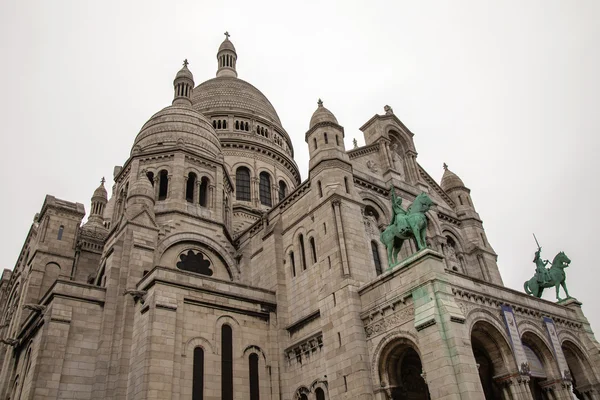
(301, 352)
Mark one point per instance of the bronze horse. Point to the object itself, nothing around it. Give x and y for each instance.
(557, 278)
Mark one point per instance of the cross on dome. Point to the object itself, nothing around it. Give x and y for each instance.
(185, 62)
(227, 34)
(445, 166)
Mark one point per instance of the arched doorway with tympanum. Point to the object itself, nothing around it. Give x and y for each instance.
(543, 371)
(401, 371)
(583, 375)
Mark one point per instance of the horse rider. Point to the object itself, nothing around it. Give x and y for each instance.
(543, 276)
(396, 207)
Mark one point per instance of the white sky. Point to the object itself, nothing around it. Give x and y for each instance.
(506, 93)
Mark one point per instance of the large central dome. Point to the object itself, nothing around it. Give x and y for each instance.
(231, 93)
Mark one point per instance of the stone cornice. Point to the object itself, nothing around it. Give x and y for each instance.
(448, 218)
(363, 151)
(522, 309)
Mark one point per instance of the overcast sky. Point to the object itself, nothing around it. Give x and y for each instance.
(507, 94)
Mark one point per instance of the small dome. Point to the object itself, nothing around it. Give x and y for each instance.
(226, 45)
(141, 187)
(322, 115)
(100, 191)
(184, 72)
(178, 125)
(450, 180)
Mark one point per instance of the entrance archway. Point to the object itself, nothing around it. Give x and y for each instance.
(401, 372)
(542, 365)
(582, 373)
(491, 352)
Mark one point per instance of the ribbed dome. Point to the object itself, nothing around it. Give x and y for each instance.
(178, 125)
(184, 72)
(100, 191)
(231, 94)
(450, 180)
(227, 45)
(322, 115)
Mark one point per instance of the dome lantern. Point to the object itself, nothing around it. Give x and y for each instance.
(227, 58)
(183, 85)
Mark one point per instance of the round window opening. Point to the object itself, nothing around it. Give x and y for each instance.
(195, 261)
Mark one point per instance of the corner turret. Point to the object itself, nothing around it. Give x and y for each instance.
(325, 137)
(227, 58)
(183, 85)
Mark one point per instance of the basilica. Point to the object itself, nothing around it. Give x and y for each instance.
(212, 271)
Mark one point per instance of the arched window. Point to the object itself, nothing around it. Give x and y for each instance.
(198, 375)
(237, 125)
(258, 129)
(302, 253)
(226, 363)
(376, 259)
(242, 184)
(202, 198)
(282, 190)
(293, 263)
(246, 127)
(264, 189)
(337, 140)
(219, 124)
(253, 365)
(320, 188)
(215, 124)
(313, 249)
(224, 124)
(60, 232)
(150, 176)
(320, 394)
(346, 185)
(189, 187)
(266, 133)
(315, 142)
(163, 185)
(303, 397)
(325, 137)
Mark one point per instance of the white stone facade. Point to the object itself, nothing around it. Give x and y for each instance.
(213, 272)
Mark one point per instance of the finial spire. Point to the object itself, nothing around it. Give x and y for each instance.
(185, 63)
(320, 103)
(445, 167)
(102, 181)
(226, 34)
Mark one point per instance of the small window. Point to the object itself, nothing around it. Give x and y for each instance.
(242, 184)
(282, 190)
(198, 375)
(224, 124)
(150, 176)
(203, 195)
(376, 259)
(313, 249)
(237, 125)
(163, 185)
(302, 253)
(337, 140)
(215, 124)
(293, 263)
(320, 188)
(246, 127)
(219, 124)
(460, 199)
(315, 142)
(320, 394)
(264, 188)
(60, 232)
(325, 137)
(346, 185)
(189, 187)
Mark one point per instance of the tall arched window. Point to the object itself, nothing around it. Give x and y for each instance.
(246, 126)
(215, 124)
(315, 142)
(61, 229)
(150, 176)
(337, 140)
(264, 189)
(226, 363)
(282, 190)
(253, 365)
(242, 184)
(189, 187)
(320, 188)
(219, 124)
(303, 397)
(163, 185)
(376, 259)
(203, 195)
(346, 185)
(302, 253)
(237, 125)
(198, 375)
(313, 249)
(320, 394)
(293, 263)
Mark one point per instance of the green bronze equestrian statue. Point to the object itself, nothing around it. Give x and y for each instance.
(545, 278)
(405, 224)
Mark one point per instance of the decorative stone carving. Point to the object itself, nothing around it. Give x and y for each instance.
(372, 165)
(389, 321)
(195, 262)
